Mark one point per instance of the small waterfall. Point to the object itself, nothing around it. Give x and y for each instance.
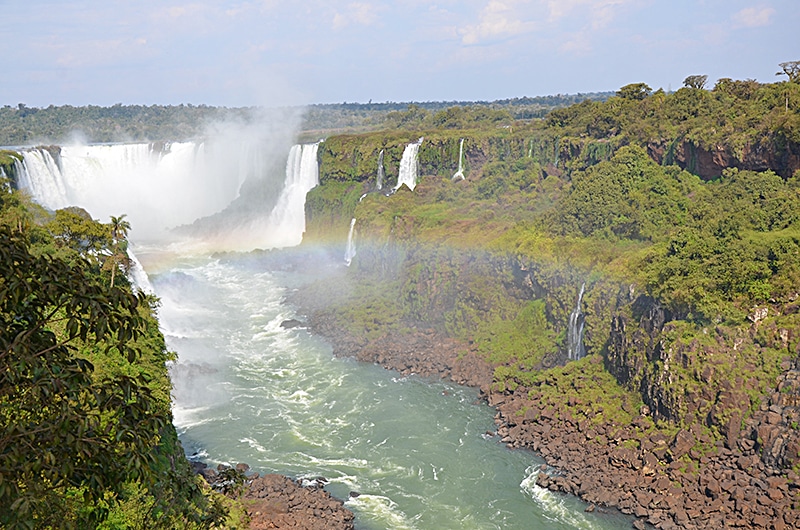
(408, 166)
(460, 173)
(575, 348)
(137, 275)
(381, 172)
(350, 250)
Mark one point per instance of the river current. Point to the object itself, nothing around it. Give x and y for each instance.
(418, 452)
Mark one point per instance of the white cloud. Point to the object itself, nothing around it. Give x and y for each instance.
(601, 12)
(498, 20)
(753, 17)
(360, 13)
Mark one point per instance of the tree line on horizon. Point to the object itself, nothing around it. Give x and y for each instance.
(23, 125)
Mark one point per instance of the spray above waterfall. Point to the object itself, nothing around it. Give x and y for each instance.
(408, 166)
(575, 349)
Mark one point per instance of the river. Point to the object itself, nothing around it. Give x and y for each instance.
(417, 453)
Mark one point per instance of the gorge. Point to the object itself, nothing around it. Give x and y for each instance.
(633, 323)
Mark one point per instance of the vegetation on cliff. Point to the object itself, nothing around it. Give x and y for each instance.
(678, 211)
(86, 435)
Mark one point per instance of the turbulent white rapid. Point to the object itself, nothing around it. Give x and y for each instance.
(248, 390)
(417, 452)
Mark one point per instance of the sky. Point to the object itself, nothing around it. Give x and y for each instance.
(287, 52)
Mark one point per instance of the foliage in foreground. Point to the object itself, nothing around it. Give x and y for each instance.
(86, 438)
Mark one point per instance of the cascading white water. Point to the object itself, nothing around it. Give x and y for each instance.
(459, 175)
(408, 166)
(137, 274)
(381, 172)
(288, 218)
(350, 250)
(156, 189)
(161, 189)
(575, 348)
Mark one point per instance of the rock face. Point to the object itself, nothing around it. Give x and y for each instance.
(679, 477)
(709, 163)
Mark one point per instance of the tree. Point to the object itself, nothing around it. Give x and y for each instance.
(58, 427)
(636, 91)
(119, 246)
(790, 69)
(695, 81)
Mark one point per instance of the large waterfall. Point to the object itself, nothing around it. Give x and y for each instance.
(288, 218)
(408, 166)
(177, 184)
(156, 188)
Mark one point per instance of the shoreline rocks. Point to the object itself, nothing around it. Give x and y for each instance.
(663, 482)
(277, 501)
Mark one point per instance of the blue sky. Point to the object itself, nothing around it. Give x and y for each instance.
(282, 52)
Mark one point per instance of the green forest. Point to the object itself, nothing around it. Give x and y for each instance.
(23, 125)
(691, 199)
(86, 434)
(686, 202)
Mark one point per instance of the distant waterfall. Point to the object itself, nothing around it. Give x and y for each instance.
(460, 173)
(350, 250)
(408, 166)
(575, 348)
(156, 188)
(224, 195)
(288, 218)
(381, 172)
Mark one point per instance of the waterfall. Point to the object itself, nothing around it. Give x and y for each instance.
(575, 348)
(350, 250)
(460, 173)
(137, 275)
(408, 166)
(227, 195)
(155, 188)
(381, 172)
(288, 219)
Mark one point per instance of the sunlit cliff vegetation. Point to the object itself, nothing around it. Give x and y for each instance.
(678, 211)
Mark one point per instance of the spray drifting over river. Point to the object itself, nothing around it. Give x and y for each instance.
(246, 389)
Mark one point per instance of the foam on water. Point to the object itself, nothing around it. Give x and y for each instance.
(248, 390)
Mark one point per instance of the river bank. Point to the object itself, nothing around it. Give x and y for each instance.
(660, 479)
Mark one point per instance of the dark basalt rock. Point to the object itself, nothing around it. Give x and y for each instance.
(292, 323)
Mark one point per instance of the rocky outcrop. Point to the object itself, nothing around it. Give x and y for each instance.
(710, 162)
(276, 501)
(663, 481)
